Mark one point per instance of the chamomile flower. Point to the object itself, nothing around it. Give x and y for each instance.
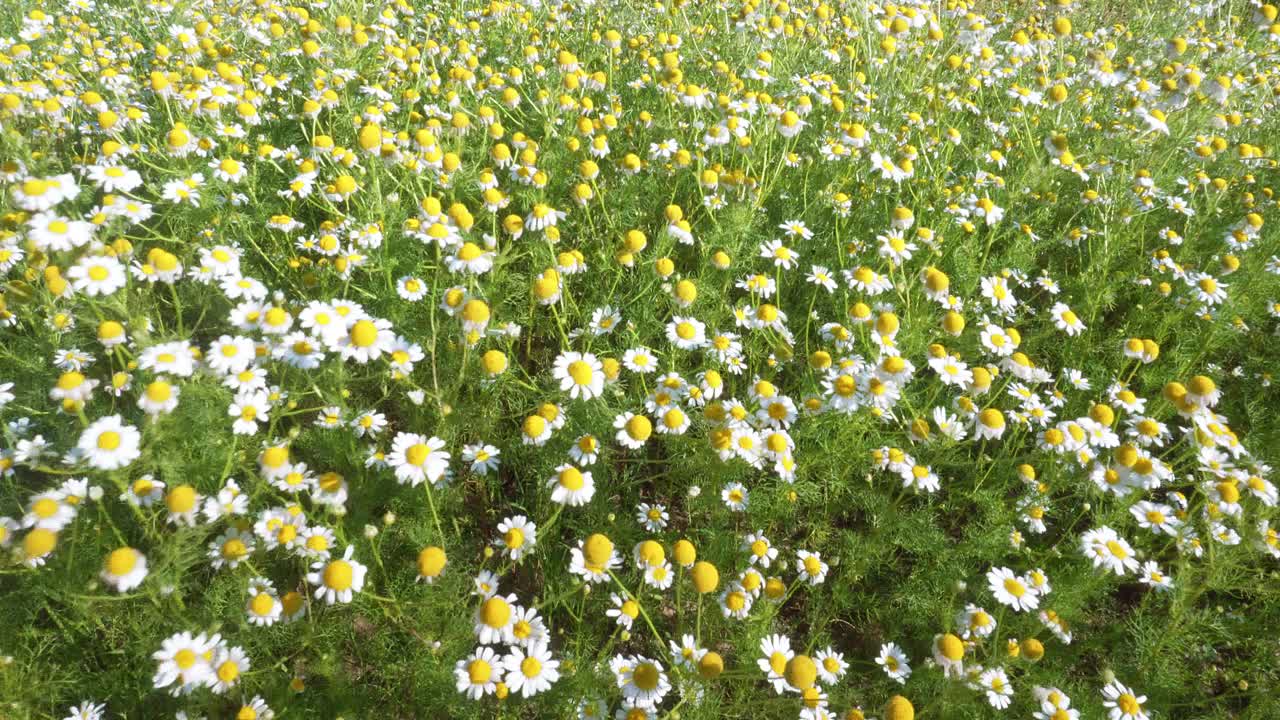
(1108, 551)
(604, 320)
(579, 374)
(184, 662)
(315, 542)
(109, 444)
(87, 710)
(411, 288)
(624, 612)
(995, 683)
(571, 486)
(249, 408)
(228, 668)
(975, 622)
(948, 652)
(1066, 319)
(49, 510)
(643, 681)
(734, 496)
(1155, 517)
(256, 709)
(531, 670)
(831, 665)
(1122, 702)
(1151, 575)
(594, 559)
(263, 606)
(231, 548)
(417, 458)
(686, 653)
(470, 258)
(366, 340)
(124, 569)
(337, 580)
(535, 430)
(633, 430)
(659, 576)
(810, 567)
(775, 653)
(431, 563)
(639, 360)
(518, 537)
(97, 275)
(527, 627)
(822, 277)
(686, 333)
(761, 551)
(1011, 590)
(653, 518)
(478, 674)
(781, 255)
(894, 662)
(9, 526)
(493, 619)
(481, 458)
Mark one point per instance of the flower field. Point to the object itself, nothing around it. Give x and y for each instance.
(633, 361)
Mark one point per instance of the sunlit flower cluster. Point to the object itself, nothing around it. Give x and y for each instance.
(588, 355)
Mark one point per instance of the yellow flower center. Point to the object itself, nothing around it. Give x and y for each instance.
(639, 427)
(181, 499)
(338, 575)
(469, 252)
(1015, 587)
(122, 561)
(530, 667)
(417, 454)
(159, 391)
(262, 604)
(479, 672)
(234, 549)
(646, 676)
(580, 371)
(571, 479)
(495, 612)
(364, 333)
(951, 647)
(228, 672)
(812, 566)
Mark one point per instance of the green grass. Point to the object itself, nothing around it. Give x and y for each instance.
(902, 563)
